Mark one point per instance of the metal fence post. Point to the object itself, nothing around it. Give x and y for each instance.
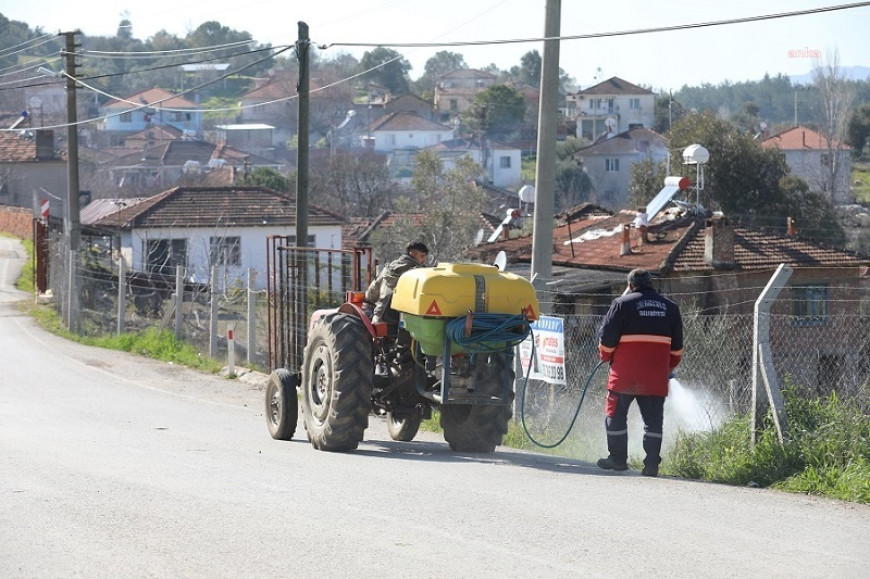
(122, 294)
(213, 315)
(252, 317)
(179, 299)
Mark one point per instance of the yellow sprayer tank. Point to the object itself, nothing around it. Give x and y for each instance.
(429, 297)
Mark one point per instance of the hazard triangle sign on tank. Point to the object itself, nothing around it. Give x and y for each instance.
(529, 312)
(433, 310)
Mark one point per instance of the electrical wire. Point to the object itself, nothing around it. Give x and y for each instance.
(162, 53)
(632, 32)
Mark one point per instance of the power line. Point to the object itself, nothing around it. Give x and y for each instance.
(162, 53)
(633, 32)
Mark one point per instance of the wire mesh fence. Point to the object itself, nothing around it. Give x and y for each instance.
(818, 355)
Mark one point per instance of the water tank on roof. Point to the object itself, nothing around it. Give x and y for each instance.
(695, 155)
(192, 168)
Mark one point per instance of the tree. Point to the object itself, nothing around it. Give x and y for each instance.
(836, 96)
(354, 185)
(529, 71)
(442, 209)
(495, 112)
(271, 178)
(442, 62)
(647, 179)
(387, 68)
(752, 183)
(859, 129)
(667, 112)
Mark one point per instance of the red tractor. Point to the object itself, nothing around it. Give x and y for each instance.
(446, 342)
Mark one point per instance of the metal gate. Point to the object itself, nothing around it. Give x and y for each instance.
(301, 280)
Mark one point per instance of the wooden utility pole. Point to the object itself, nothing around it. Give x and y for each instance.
(545, 175)
(72, 228)
(302, 48)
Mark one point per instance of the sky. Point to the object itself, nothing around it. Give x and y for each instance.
(660, 60)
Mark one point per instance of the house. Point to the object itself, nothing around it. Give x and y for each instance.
(608, 162)
(810, 155)
(163, 165)
(501, 163)
(32, 169)
(455, 91)
(151, 107)
(252, 137)
(612, 106)
(199, 227)
(409, 103)
(401, 135)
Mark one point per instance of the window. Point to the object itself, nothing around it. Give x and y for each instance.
(810, 305)
(634, 104)
(611, 165)
(292, 240)
(126, 117)
(504, 162)
(595, 104)
(225, 251)
(454, 105)
(163, 255)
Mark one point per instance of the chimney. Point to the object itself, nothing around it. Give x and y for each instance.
(45, 145)
(719, 243)
(626, 240)
(790, 227)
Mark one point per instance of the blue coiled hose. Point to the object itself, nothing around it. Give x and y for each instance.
(489, 332)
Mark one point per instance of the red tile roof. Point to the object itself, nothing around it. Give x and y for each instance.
(406, 121)
(149, 96)
(15, 148)
(799, 138)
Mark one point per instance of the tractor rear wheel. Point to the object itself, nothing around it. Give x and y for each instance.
(403, 427)
(282, 405)
(480, 427)
(337, 383)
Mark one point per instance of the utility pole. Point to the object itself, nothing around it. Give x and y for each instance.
(302, 48)
(545, 175)
(72, 228)
(71, 223)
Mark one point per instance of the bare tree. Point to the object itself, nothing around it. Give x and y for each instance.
(836, 95)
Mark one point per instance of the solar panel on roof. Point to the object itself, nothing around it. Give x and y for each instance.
(673, 185)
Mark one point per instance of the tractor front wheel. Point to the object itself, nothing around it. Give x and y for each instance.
(282, 405)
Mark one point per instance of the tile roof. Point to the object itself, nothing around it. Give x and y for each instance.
(466, 73)
(216, 207)
(16, 148)
(99, 208)
(156, 133)
(625, 142)
(799, 138)
(614, 85)
(406, 121)
(151, 95)
(592, 241)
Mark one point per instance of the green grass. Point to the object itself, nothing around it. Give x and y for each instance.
(827, 453)
(861, 173)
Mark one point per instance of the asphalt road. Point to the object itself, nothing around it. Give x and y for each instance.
(117, 466)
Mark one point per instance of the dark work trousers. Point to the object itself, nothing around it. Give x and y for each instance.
(616, 424)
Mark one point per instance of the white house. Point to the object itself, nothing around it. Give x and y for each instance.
(501, 163)
(200, 228)
(406, 130)
(613, 106)
(151, 107)
(810, 156)
(608, 162)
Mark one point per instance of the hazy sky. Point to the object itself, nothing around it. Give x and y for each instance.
(663, 60)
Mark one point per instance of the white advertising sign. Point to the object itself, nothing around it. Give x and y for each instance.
(549, 364)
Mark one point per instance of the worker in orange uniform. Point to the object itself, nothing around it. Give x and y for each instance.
(642, 339)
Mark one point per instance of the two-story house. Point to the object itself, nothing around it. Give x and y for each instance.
(501, 163)
(612, 106)
(817, 161)
(454, 91)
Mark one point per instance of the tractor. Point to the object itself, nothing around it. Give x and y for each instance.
(445, 342)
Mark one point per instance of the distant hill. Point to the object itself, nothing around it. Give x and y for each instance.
(852, 73)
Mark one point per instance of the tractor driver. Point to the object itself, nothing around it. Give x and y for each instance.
(381, 289)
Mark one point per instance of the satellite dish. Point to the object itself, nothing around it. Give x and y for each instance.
(500, 260)
(610, 123)
(527, 194)
(763, 126)
(478, 238)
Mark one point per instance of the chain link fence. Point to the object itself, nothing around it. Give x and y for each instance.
(831, 354)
